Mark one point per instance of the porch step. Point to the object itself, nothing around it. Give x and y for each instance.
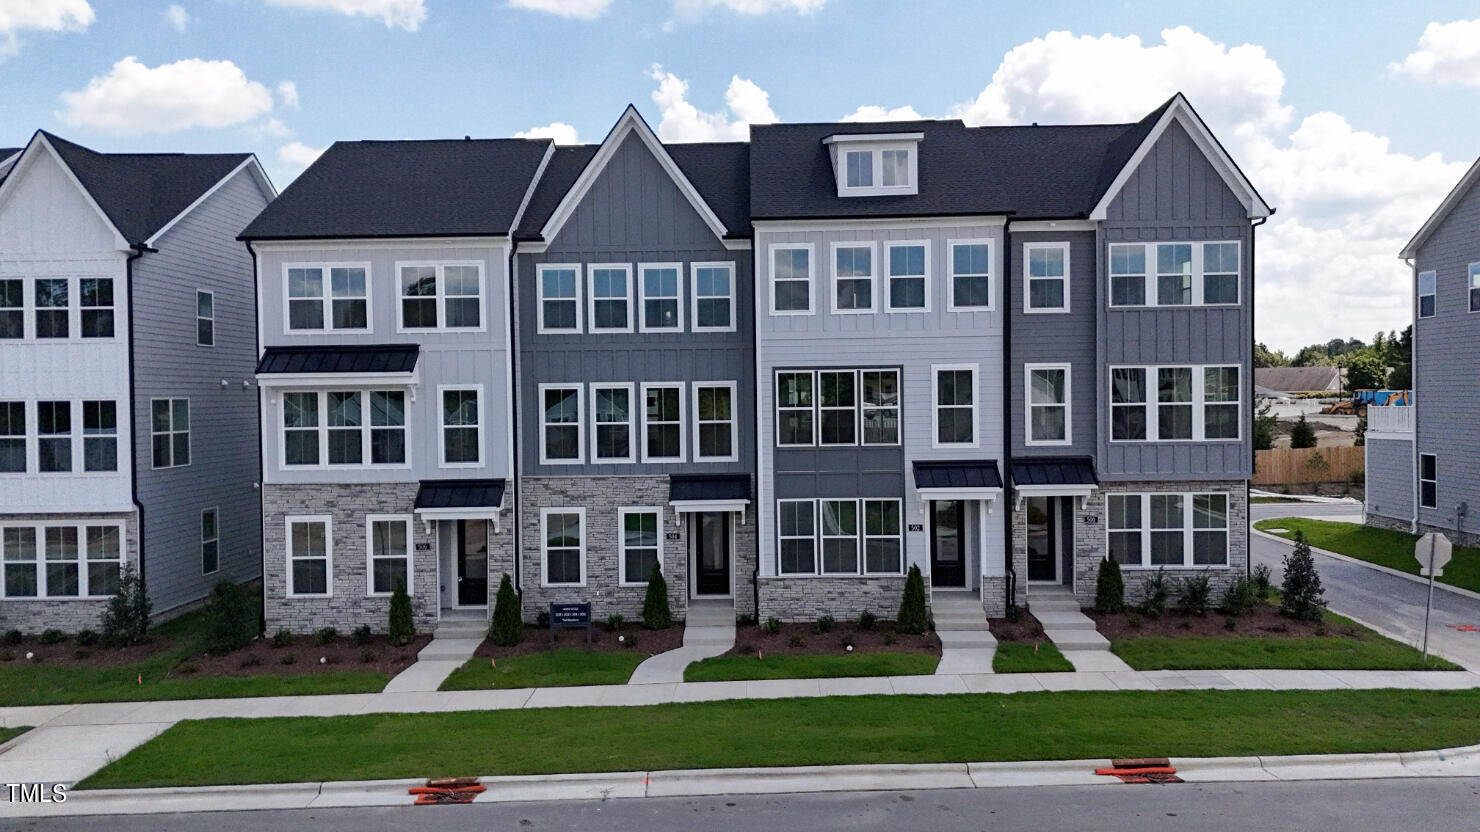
(461, 628)
(711, 613)
(958, 612)
(709, 636)
(1052, 603)
(1077, 639)
(1063, 620)
(449, 649)
(960, 622)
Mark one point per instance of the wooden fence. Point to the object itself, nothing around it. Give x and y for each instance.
(1279, 466)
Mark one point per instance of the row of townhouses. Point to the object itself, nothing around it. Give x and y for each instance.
(782, 371)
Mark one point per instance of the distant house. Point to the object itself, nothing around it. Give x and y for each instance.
(1296, 380)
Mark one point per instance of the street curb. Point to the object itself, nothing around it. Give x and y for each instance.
(1370, 565)
(1447, 762)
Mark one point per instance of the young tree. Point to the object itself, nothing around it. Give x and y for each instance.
(1301, 590)
(507, 629)
(230, 620)
(913, 617)
(1302, 435)
(126, 618)
(1109, 588)
(402, 628)
(1264, 421)
(656, 614)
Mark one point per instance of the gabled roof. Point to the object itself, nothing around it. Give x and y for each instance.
(140, 193)
(1318, 378)
(436, 188)
(1431, 224)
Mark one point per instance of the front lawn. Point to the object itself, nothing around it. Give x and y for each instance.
(795, 732)
(8, 734)
(561, 668)
(1017, 657)
(747, 668)
(1383, 547)
(1311, 653)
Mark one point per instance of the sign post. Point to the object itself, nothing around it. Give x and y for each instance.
(1432, 551)
(570, 615)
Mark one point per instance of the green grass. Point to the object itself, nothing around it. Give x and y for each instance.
(747, 668)
(1238, 653)
(793, 732)
(1012, 657)
(1380, 546)
(8, 734)
(562, 668)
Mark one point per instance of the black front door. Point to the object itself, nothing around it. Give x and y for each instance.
(947, 544)
(472, 563)
(711, 531)
(1042, 551)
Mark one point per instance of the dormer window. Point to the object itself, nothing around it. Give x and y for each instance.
(875, 164)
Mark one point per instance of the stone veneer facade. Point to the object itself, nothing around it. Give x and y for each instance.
(1378, 521)
(806, 598)
(602, 498)
(70, 615)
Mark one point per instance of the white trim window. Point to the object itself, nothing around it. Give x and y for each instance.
(20, 555)
(908, 265)
(99, 436)
(795, 409)
(53, 307)
(441, 296)
(714, 421)
(562, 547)
(1127, 274)
(560, 424)
(1428, 481)
(1220, 271)
(300, 429)
(460, 442)
(953, 400)
(849, 536)
(662, 423)
(170, 432)
(1175, 274)
(1193, 403)
(791, 279)
(95, 296)
(338, 301)
(640, 543)
(660, 288)
(1474, 276)
(796, 535)
(80, 560)
(54, 437)
(344, 420)
(875, 168)
(610, 297)
(12, 308)
(883, 540)
(1151, 531)
(559, 297)
(1048, 396)
(104, 557)
(328, 428)
(970, 284)
(205, 318)
(837, 408)
(387, 427)
(1427, 294)
(840, 537)
(612, 416)
(388, 554)
(852, 278)
(880, 415)
(310, 551)
(1128, 417)
(714, 296)
(210, 541)
(12, 437)
(1045, 277)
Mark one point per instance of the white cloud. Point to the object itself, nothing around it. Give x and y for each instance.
(1448, 53)
(17, 16)
(272, 128)
(873, 112)
(572, 9)
(683, 122)
(287, 95)
(133, 98)
(407, 14)
(176, 18)
(561, 132)
(753, 7)
(297, 155)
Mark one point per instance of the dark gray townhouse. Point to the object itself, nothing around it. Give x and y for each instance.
(127, 349)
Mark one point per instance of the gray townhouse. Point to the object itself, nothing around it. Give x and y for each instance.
(386, 378)
(127, 353)
(1423, 461)
(636, 376)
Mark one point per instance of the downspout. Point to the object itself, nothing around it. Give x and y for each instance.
(1010, 585)
(515, 463)
(1413, 387)
(755, 438)
(1249, 515)
(136, 251)
(261, 492)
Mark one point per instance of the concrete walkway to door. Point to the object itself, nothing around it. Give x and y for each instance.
(458, 634)
(709, 630)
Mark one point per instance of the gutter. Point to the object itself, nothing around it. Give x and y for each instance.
(1413, 386)
(138, 250)
(261, 492)
(1253, 455)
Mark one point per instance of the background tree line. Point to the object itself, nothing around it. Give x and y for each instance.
(1386, 363)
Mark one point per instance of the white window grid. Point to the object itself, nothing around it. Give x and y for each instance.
(676, 297)
(597, 274)
(858, 407)
(443, 426)
(367, 429)
(838, 279)
(890, 277)
(623, 513)
(1199, 402)
(860, 535)
(809, 280)
(543, 327)
(678, 388)
(293, 556)
(1031, 404)
(630, 423)
(577, 395)
(1196, 273)
(936, 405)
(545, 547)
(444, 297)
(1032, 251)
(731, 389)
(952, 305)
(14, 556)
(699, 295)
(326, 298)
(1187, 528)
(405, 555)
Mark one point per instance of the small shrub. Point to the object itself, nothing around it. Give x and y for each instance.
(1301, 590)
(631, 641)
(7, 656)
(230, 618)
(1014, 613)
(361, 635)
(1230, 623)
(367, 655)
(1302, 435)
(325, 635)
(53, 636)
(912, 618)
(889, 639)
(126, 618)
(867, 621)
(1154, 595)
(1238, 598)
(282, 638)
(1185, 625)
(507, 628)
(12, 637)
(772, 625)
(797, 641)
(614, 621)
(1193, 595)
(1134, 620)
(744, 619)
(187, 668)
(80, 654)
(656, 614)
(1109, 588)
(542, 619)
(401, 627)
(287, 658)
(1261, 584)
(825, 623)
(251, 660)
(87, 638)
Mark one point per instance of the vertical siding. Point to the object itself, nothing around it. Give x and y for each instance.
(1056, 339)
(200, 252)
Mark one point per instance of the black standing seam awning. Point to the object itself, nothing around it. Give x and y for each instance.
(1055, 470)
(957, 474)
(708, 487)
(340, 359)
(454, 494)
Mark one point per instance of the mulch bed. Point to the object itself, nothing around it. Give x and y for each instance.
(68, 653)
(804, 640)
(637, 640)
(1025, 630)
(1264, 621)
(261, 658)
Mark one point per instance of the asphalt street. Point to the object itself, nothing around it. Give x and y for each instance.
(1390, 603)
(1349, 805)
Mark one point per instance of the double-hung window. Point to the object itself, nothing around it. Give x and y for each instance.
(1048, 416)
(559, 297)
(1174, 408)
(714, 297)
(661, 285)
(714, 421)
(389, 537)
(839, 537)
(95, 297)
(53, 312)
(1427, 289)
(662, 423)
(12, 437)
(310, 556)
(210, 541)
(62, 551)
(909, 282)
(838, 407)
(205, 319)
(441, 296)
(387, 427)
(560, 423)
(18, 552)
(611, 297)
(104, 555)
(1474, 274)
(1188, 403)
(955, 405)
(1046, 279)
(795, 419)
(796, 531)
(462, 432)
(346, 435)
(170, 432)
(611, 417)
(54, 436)
(880, 407)
(971, 275)
(1168, 530)
(883, 547)
(1127, 275)
(46, 561)
(1128, 404)
(791, 279)
(1428, 481)
(562, 539)
(1220, 403)
(99, 436)
(12, 308)
(1175, 274)
(640, 544)
(853, 277)
(328, 297)
(345, 419)
(1220, 273)
(300, 430)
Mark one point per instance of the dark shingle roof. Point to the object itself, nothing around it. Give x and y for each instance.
(708, 487)
(141, 192)
(1054, 470)
(7, 152)
(957, 474)
(336, 358)
(560, 174)
(439, 188)
(460, 494)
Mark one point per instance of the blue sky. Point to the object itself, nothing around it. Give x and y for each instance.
(1352, 151)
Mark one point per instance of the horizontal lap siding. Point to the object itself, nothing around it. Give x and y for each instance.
(1056, 339)
(1390, 478)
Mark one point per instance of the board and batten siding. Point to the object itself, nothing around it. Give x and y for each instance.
(1176, 195)
(200, 252)
(910, 341)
